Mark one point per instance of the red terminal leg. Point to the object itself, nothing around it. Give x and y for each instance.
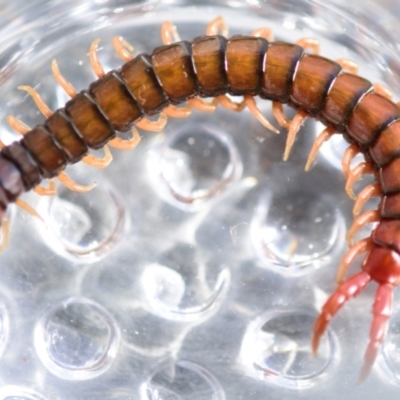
(382, 310)
(345, 291)
(382, 265)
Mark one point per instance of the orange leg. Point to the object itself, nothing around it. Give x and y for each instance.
(372, 190)
(51, 190)
(128, 144)
(277, 110)
(217, 26)
(318, 142)
(70, 184)
(17, 125)
(354, 251)
(206, 106)
(344, 292)
(68, 88)
(294, 128)
(265, 33)
(310, 44)
(123, 49)
(348, 156)
(178, 112)
(99, 162)
(348, 65)
(94, 61)
(364, 219)
(41, 105)
(186, 110)
(153, 126)
(169, 33)
(230, 105)
(383, 91)
(5, 234)
(26, 207)
(252, 106)
(355, 174)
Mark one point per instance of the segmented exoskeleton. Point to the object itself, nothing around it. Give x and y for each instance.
(181, 73)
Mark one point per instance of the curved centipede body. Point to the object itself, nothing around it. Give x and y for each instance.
(183, 72)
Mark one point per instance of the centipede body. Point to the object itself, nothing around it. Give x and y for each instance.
(209, 66)
(212, 66)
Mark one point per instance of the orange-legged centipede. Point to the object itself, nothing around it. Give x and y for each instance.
(182, 72)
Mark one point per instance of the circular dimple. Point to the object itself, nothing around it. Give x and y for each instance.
(180, 381)
(169, 297)
(276, 348)
(77, 339)
(19, 393)
(292, 232)
(85, 225)
(194, 164)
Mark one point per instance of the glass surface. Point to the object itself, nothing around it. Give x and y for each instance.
(196, 267)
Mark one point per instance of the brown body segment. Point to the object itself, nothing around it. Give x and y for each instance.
(387, 145)
(86, 116)
(387, 233)
(174, 69)
(280, 65)
(10, 179)
(3, 202)
(343, 96)
(312, 80)
(390, 206)
(67, 136)
(116, 101)
(28, 167)
(11, 184)
(244, 64)
(389, 177)
(209, 64)
(45, 151)
(371, 115)
(142, 82)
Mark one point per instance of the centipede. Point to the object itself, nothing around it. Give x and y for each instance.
(208, 71)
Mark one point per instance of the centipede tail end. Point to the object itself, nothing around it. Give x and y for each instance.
(381, 265)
